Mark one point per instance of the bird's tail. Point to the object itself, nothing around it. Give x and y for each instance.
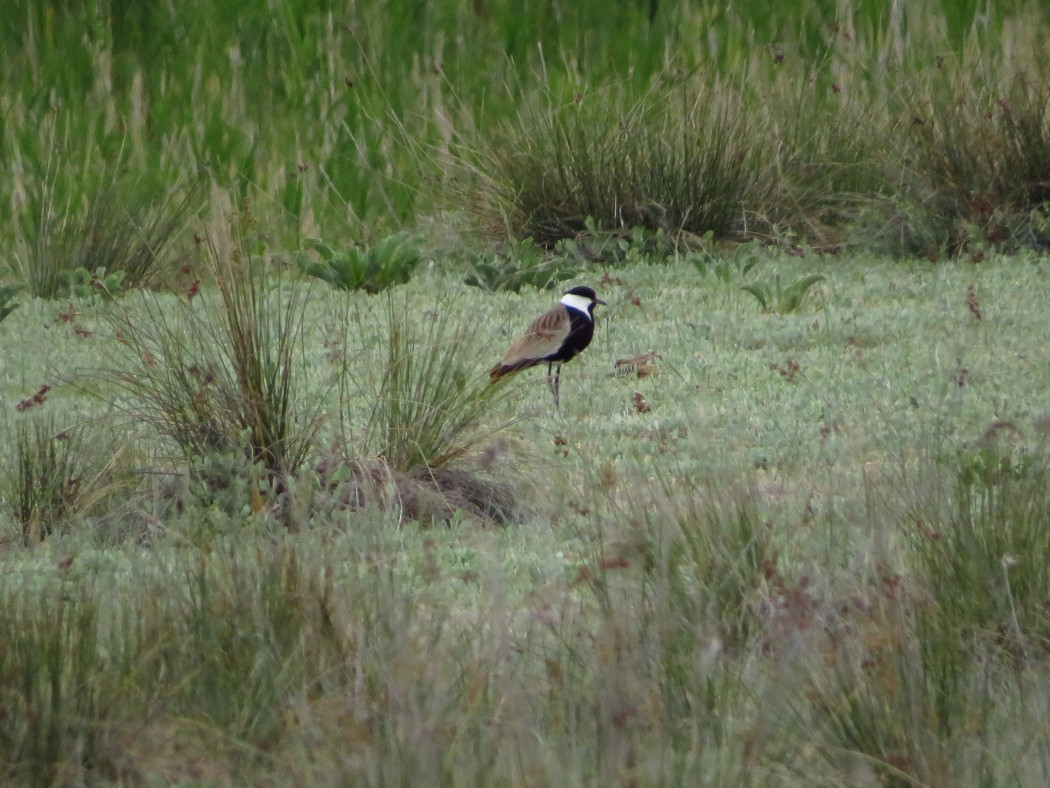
(502, 370)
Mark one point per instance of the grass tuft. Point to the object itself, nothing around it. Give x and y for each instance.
(56, 688)
(100, 224)
(49, 480)
(707, 555)
(979, 555)
(219, 379)
(895, 699)
(682, 161)
(432, 405)
(979, 155)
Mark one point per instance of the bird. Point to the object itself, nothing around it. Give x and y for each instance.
(555, 337)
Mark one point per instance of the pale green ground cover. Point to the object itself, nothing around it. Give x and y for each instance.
(372, 650)
(879, 346)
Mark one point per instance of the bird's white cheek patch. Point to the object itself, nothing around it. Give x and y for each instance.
(574, 301)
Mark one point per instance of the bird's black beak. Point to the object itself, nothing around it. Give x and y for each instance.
(599, 301)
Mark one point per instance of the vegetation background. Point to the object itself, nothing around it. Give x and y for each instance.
(262, 519)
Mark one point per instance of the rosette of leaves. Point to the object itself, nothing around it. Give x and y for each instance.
(524, 265)
(7, 297)
(84, 283)
(373, 269)
(780, 298)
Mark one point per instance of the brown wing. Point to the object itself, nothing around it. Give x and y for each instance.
(543, 337)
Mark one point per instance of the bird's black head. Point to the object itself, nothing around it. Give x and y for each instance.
(585, 292)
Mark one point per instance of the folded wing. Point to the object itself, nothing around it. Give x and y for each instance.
(543, 338)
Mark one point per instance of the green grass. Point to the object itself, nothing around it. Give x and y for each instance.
(804, 126)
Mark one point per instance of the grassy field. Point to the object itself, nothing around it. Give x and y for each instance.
(722, 571)
(263, 521)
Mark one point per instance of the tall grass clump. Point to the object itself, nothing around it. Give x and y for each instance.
(845, 128)
(431, 403)
(219, 372)
(709, 555)
(49, 483)
(682, 161)
(914, 674)
(652, 681)
(979, 152)
(94, 219)
(431, 442)
(827, 175)
(891, 697)
(702, 553)
(55, 684)
(978, 551)
(193, 670)
(917, 671)
(45, 486)
(240, 678)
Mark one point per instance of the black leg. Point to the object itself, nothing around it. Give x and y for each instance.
(554, 383)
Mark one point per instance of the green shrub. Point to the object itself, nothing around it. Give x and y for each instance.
(84, 283)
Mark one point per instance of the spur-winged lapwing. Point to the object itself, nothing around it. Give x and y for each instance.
(556, 336)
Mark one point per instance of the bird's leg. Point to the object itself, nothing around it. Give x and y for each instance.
(550, 381)
(557, 388)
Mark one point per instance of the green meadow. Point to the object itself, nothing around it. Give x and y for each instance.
(264, 521)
